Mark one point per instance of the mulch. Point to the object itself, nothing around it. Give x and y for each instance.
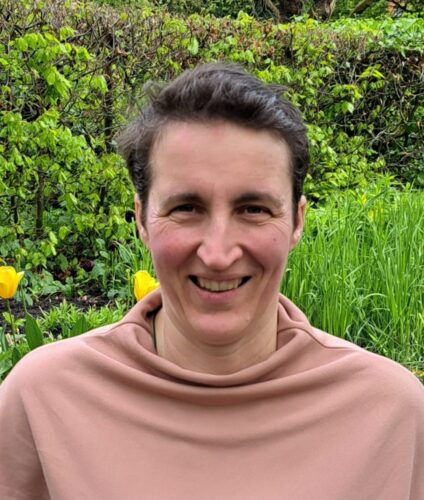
(44, 304)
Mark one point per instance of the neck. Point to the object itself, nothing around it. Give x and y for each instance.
(192, 354)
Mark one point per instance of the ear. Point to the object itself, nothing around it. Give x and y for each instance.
(140, 227)
(300, 221)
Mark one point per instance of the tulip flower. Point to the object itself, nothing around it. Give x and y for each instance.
(9, 281)
(143, 284)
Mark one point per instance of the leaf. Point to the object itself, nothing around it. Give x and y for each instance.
(99, 82)
(5, 362)
(3, 342)
(50, 76)
(32, 39)
(8, 318)
(81, 326)
(372, 71)
(16, 356)
(63, 232)
(33, 333)
(193, 46)
(65, 32)
(65, 333)
(52, 237)
(72, 198)
(21, 44)
(347, 107)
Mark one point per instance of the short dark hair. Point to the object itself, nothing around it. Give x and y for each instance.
(215, 91)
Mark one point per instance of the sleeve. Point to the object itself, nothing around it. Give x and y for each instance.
(21, 475)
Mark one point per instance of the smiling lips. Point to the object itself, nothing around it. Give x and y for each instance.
(218, 286)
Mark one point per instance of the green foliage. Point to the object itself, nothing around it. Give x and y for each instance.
(260, 8)
(60, 322)
(344, 8)
(18, 336)
(48, 158)
(72, 73)
(12, 349)
(378, 9)
(81, 326)
(218, 8)
(358, 271)
(33, 333)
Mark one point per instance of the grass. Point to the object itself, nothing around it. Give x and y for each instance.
(359, 272)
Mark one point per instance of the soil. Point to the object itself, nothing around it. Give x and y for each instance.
(44, 304)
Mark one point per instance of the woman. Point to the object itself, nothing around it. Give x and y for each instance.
(214, 386)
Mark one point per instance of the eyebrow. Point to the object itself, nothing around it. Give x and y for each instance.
(249, 197)
(254, 196)
(178, 198)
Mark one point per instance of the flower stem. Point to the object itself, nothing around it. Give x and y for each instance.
(12, 322)
(24, 300)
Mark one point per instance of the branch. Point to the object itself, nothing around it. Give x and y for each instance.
(361, 6)
(270, 5)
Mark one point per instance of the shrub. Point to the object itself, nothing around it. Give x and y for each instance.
(72, 73)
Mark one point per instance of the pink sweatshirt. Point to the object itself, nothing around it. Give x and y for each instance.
(102, 417)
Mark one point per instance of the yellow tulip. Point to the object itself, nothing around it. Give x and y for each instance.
(9, 281)
(143, 284)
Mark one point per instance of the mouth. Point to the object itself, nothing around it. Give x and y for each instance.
(218, 286)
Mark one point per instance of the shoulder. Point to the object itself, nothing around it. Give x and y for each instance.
(97, 355)
(48, 361)
(376, 375)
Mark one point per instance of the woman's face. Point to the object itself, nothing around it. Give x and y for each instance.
(219, 225)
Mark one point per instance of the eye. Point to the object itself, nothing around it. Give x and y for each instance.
(184, 208)
(185, 211)
(255, 210)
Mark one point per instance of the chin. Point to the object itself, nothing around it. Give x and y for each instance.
(218, 333)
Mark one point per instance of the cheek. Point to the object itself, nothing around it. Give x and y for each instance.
(271, 249)
(168, 250)
(275, 264)
(272, 243)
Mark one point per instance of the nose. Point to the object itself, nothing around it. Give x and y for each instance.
(219, 248)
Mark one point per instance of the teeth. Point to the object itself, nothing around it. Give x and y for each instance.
(219, 286)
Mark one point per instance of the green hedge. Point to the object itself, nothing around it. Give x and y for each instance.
(71, 74)
(261, 9)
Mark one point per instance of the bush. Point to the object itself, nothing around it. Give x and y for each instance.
(217, 8)
(73, 73)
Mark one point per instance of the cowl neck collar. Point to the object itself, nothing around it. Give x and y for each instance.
(293, 354)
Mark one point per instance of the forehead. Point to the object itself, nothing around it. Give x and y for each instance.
(218, 149)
